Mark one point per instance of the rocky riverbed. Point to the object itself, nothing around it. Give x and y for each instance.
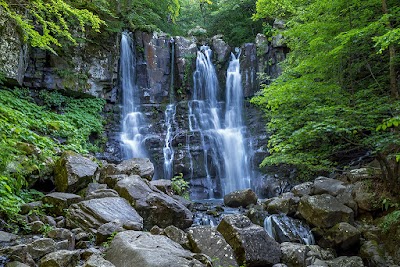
(105, 215)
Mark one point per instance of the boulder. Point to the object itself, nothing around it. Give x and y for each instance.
(107, 230)
(317, 254)
(250, 242)
(101, 193)
(18, 253)
(303, 189)
(73, 172)
(91, 214)
(163, 185)
(346, 198)
(324, 211)
(16, 264)
(364, 197)
(372, 253)
(177, 235)
(93, 187)
(222, 50)
(257, 215)
(293, 254)
(240, 198)
(41, 247)
(324, 185)
(346, 262)
(286, 203)
(97, 261)
(58, 202)
(342, 236)
(63, 234)
(286, 229)
(136, 166)
(31, 206)
(7, 237)
(208, 240)
(141, 249)
(61, 258)
(156, 207)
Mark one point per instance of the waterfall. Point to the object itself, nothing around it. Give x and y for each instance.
(133, 122)
(169, 115)
(222, 137)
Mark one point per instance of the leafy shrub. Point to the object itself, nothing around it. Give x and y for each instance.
(180, 186)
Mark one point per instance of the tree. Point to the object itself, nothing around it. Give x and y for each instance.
(337, 84)
(44, 23)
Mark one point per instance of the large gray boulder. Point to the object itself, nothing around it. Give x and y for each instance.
(324, 185)
(286, 203)
(91, 214)
(73, 172)
(341, 236)
(250, 242)
(41, 247)
(240, 198)
(208, 240)
(156, 207)
(141, 249)
(222, 50)
(344, 261)
(303, 189)
(324, 211)
(293, 254)
(177, 235)
(97, 261)
(59, 202)
(136, 166)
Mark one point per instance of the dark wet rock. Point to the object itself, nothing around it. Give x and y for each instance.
(156, 207)
(91, 214)
(59, 201)
(324, 211)
(97, 261)
(155, 230)
(373, 253)
(177, 235)
(61, 258)
(141, 249)
(107, 230)
(324, 185)
(342, 236)
(286, 203)
(136, 166)
(240, 198)
(250, 242)
(286, 229)
(303, 189)
(257, 215)
(207, 240)
(73, 172)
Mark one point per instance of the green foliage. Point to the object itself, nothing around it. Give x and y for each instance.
(31, 137)
(390, 220)
(180, 186)
(334, 93)
(47, 23)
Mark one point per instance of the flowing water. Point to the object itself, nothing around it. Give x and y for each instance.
(222, 135)
(133, 122)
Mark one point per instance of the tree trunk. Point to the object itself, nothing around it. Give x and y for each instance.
(392, 56)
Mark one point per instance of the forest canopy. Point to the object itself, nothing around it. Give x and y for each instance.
(337, 99)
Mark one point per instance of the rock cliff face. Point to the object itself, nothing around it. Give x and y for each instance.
(91, 68)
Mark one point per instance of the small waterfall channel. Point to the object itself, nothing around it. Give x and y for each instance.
(133, 122)
(222, 135)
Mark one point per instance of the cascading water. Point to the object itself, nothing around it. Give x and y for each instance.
(133, 123)
(169, 115)
(222, 138)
